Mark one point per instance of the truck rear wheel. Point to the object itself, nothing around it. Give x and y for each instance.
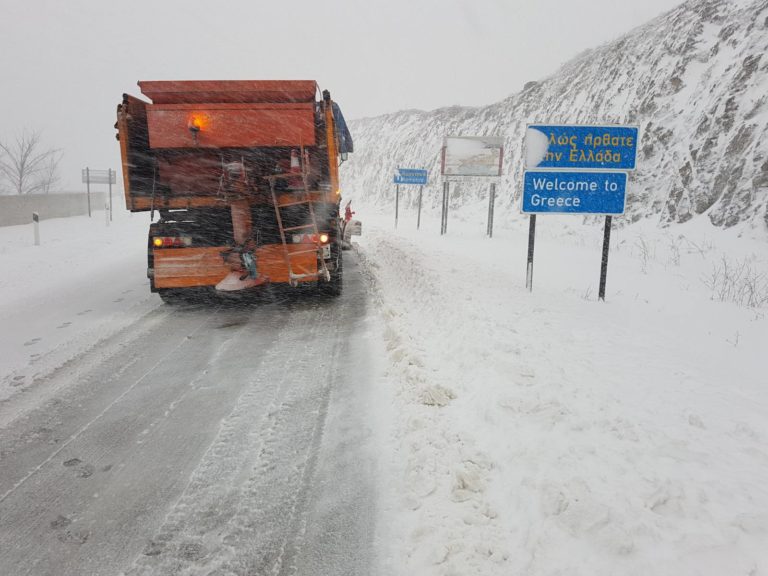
(170, 296)
(194, 295)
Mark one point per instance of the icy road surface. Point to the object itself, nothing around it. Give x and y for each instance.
(199, 440)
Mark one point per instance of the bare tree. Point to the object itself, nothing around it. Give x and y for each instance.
(26, 167)
(49, 175)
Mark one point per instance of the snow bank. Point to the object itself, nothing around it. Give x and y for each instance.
(85, 282)
(548, 433)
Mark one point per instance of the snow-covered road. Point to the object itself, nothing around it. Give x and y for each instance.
(199, 440)
(437, 413)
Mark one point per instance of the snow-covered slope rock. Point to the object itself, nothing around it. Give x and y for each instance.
(695, 80)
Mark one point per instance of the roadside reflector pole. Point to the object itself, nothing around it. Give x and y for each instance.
(418, 217)
(110, 193)
(604, 263)
(107, 213)
(397, 202)
(36, 226)
(491, 202)
(531, 238)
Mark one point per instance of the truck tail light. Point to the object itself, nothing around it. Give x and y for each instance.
(171, 241)
(322, 238)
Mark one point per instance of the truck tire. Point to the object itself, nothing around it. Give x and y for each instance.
(195, 295)
(170, 296)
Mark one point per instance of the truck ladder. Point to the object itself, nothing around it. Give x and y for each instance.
(301, 197)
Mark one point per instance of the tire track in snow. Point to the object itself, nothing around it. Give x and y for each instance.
(98, 417)
(245, 507)
(114, 436)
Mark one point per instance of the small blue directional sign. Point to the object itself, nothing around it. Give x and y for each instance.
(581, 147)
(553, 192)
(411, 176)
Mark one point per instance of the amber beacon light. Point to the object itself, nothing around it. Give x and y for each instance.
(197, 122)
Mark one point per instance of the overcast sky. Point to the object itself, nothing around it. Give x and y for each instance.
(65, 64)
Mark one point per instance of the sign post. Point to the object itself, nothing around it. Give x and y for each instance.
(574, 169)
(491, 202)
(529, 265)
(88, 189)
(98, 177)
(444, 213)
(604, 261)
(416, 176)
(418, 217)
(397, 202)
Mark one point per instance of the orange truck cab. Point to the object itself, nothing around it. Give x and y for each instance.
(245, 178)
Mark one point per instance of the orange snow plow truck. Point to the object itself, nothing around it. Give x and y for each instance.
(245, 178)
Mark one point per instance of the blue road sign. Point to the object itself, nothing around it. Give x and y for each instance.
(411, 176)
(581, 147)
(553, 192)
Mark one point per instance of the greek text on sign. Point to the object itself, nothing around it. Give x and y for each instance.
(411, 176)
(555, 192)
(581, 147)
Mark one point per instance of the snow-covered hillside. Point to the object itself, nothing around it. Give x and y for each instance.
(695, 80)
